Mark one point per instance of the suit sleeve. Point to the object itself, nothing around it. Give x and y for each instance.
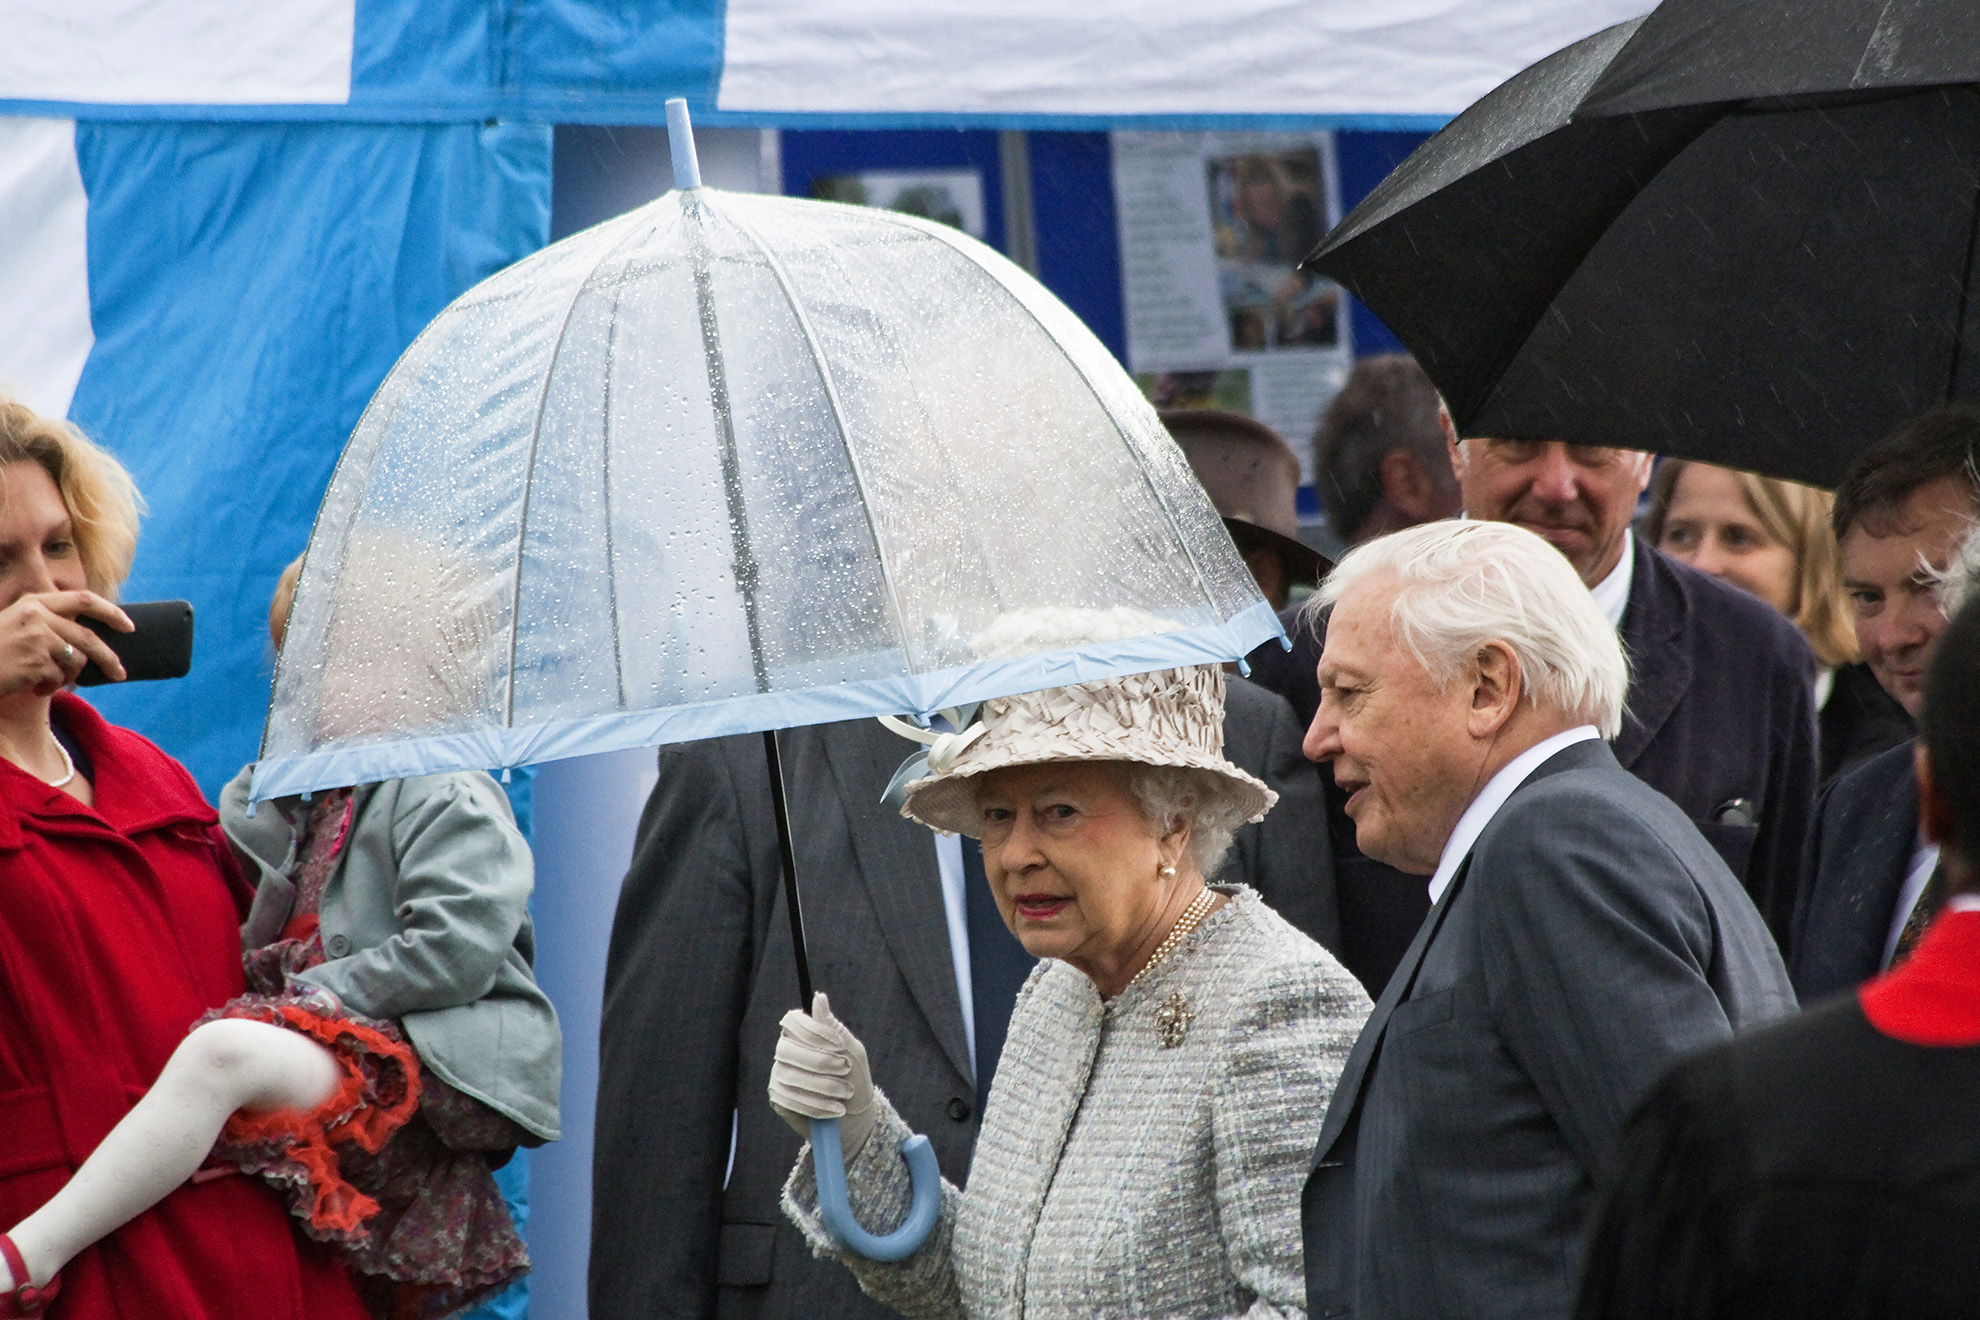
(677, 978)
(1286, 857)
(1596, 946)
(1774, 873)
(1804, 896)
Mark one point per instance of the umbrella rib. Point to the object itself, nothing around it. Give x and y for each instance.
(605, 464)
(1965, 292)
(838, 418)
(529, 486)
(746, 569)
(948, 236)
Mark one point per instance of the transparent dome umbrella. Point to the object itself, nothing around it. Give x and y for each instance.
(728, 464)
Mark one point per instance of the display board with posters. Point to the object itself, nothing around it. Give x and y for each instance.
(1213, 227)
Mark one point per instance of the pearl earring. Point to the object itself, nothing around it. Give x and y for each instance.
(1168, 873)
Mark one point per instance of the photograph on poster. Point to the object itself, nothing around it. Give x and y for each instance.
(1212, 229)
(950, 197)
(1267, 211)
(1226, 391)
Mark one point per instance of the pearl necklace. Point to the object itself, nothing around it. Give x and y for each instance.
(1191, 918)
(67, 760)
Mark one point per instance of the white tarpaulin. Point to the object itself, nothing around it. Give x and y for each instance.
(44, 263)
(1111, 59)
(191, 52)
(1018, 64)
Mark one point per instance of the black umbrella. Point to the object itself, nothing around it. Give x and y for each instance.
(1740, 232)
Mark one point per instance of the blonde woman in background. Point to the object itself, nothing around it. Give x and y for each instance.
(1773, 539)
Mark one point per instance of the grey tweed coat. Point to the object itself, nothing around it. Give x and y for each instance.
(1115, 1176)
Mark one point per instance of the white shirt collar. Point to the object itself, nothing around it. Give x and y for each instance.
(1493, 796)
(1963, 903)
(1612, 592)
(1917, 874)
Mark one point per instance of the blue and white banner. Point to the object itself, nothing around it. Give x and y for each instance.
(216, 303)
(846, 63)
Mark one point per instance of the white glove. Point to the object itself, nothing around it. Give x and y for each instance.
(821, 1072)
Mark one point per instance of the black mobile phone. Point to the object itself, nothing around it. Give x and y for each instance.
(161, 647)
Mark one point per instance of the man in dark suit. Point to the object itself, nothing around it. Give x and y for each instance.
(1827, 1166)
(1584, 934)
(1902, 509)
(1721, 710)
(1720, 716)
(685, 1224)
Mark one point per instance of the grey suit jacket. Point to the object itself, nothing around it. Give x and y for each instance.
(699, 974)
(1591, 939)
(425, 920)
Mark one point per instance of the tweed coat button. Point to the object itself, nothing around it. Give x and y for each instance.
(958, 1108)
(337, 946)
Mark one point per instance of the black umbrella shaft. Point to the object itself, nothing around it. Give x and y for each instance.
(789, 855)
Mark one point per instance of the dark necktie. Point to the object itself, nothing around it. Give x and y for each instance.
(1930, 900)
(998, 966)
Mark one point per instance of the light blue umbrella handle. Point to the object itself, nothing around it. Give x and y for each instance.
(828, 1161)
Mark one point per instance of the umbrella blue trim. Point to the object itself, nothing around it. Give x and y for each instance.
(902, 694)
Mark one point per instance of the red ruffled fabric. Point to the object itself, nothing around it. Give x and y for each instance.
(377, 1094)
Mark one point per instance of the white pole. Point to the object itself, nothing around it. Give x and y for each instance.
(680, 140)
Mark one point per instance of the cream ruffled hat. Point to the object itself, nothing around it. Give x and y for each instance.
(1161, 717)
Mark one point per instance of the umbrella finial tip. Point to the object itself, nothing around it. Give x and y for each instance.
(680, 141)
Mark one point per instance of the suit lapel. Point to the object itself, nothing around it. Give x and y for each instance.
(1346, 1101)
(1881, 855)
(1659, 668)
(896, 862)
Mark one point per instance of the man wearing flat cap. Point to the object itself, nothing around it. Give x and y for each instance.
(1584, 935)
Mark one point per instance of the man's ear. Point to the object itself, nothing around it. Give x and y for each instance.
(1934, 812)
(1496, 687)
(1451, 441)
(1407, 486)
(1646, 464)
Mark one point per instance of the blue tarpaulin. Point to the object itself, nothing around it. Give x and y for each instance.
(249, 286)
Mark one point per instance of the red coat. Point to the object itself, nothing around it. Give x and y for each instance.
(119, 926)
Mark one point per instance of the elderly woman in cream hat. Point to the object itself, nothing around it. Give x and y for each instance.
(1170, 1060)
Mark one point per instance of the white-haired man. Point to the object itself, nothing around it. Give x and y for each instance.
(1584, 933)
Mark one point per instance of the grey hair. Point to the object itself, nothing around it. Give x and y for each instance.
(1172, 796)
(1959, 581)
(1462, 584)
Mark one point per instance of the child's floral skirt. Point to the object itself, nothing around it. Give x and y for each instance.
(394, 1169)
